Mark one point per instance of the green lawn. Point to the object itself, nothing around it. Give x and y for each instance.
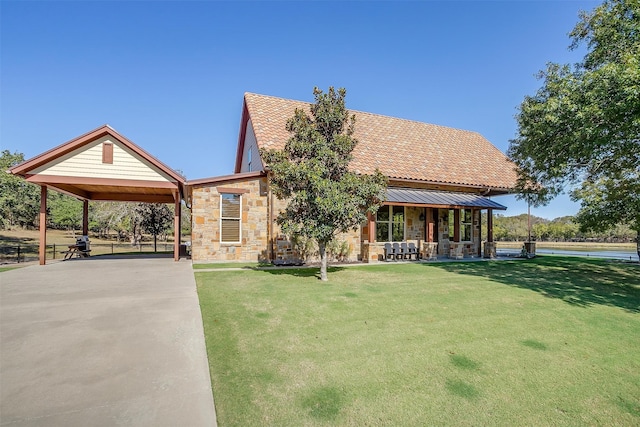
(220, 265)
(548, 341)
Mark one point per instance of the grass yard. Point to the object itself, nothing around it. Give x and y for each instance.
(548, 341)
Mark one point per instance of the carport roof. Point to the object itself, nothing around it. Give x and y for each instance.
(114, 183)
(431, 198)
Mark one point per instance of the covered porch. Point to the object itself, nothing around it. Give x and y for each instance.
(438, 223)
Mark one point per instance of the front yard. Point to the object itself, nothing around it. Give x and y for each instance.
(549, 341)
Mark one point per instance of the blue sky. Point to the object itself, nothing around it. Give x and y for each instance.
(170, 76)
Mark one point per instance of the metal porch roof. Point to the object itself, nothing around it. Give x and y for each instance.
(440, 198)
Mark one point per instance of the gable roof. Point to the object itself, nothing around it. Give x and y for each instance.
(32, 164)
(163, 185)
(401, 149)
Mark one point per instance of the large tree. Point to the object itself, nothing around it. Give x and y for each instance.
(155, 218)
(581, 130)
(312, 173)
(19, 199)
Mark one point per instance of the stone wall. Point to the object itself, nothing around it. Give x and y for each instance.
(205, 234)
(471, 249)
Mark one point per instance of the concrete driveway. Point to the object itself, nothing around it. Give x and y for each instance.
(103, 342)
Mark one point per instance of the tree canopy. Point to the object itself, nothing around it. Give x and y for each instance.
(312, 173)
(19, 199)
(581, 130)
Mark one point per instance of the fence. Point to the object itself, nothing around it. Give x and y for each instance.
(25, 253)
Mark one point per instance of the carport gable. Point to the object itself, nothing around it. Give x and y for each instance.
(103, 165)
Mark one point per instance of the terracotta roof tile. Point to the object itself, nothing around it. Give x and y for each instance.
(401, 149)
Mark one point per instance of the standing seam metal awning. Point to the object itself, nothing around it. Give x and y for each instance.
(440, 198)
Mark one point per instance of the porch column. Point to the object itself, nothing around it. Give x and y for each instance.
(176, 226)
(429, 225)
(42, 248)
(489, 225)
(85, 217)
(456, 225)
(371, 224)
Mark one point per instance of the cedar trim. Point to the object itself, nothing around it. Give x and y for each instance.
(80, 195)
(243, 134)
(436, 185)
(42, 247)
(429, 205)
(85, 217)
(76, 180)
(208, 182)
(25, 167)
(133, 197)
(231, 190)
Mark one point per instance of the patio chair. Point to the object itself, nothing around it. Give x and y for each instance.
(389, 252)
(430, 251)
(397, 250)
(456, 252)
(412, 251)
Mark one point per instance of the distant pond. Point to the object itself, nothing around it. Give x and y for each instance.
(629, 255)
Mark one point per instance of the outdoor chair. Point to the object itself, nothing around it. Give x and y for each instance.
(397, 250)
(430, 251)
(389, 252)
(411, 250)
(456, 252)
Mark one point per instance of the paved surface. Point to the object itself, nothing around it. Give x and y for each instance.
(103, 342)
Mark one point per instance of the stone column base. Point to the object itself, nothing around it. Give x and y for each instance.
(490, 249)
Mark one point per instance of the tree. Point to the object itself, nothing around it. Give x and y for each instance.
(155, 218)
(19, 199)
(312, 173)
(582, 128)
(65, 211)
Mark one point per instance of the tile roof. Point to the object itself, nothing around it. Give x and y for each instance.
(401, 149)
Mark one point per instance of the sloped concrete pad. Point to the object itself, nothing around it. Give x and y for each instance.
(103, 342)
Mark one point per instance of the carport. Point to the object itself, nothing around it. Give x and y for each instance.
(102, 165)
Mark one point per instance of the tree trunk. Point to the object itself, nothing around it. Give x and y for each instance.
(155, 245)
(638, 244)
(322, 248)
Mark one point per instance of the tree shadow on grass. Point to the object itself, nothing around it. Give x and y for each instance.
(300, 271)
(577, 281)
(12, 240)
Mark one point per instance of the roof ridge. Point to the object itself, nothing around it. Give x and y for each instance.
(372, 114)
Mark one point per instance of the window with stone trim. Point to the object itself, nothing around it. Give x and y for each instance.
(230, 217)
(466, 220)
(390, 224)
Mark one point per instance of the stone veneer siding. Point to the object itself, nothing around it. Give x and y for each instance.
(470, 248)
(205, 234)
(255, 245)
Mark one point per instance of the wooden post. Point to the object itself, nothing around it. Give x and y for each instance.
(489, 225)
(176, 226)
(42, 249)
(85, 217)
(372, 228)
(456, 225)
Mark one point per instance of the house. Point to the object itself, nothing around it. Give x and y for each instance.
(440, 180)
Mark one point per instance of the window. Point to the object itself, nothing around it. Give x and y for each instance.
(230, 215)
(249, 160)
(466, 218)
(452, 225)
(390, 224)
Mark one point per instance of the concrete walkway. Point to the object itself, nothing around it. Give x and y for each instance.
(103, 342)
